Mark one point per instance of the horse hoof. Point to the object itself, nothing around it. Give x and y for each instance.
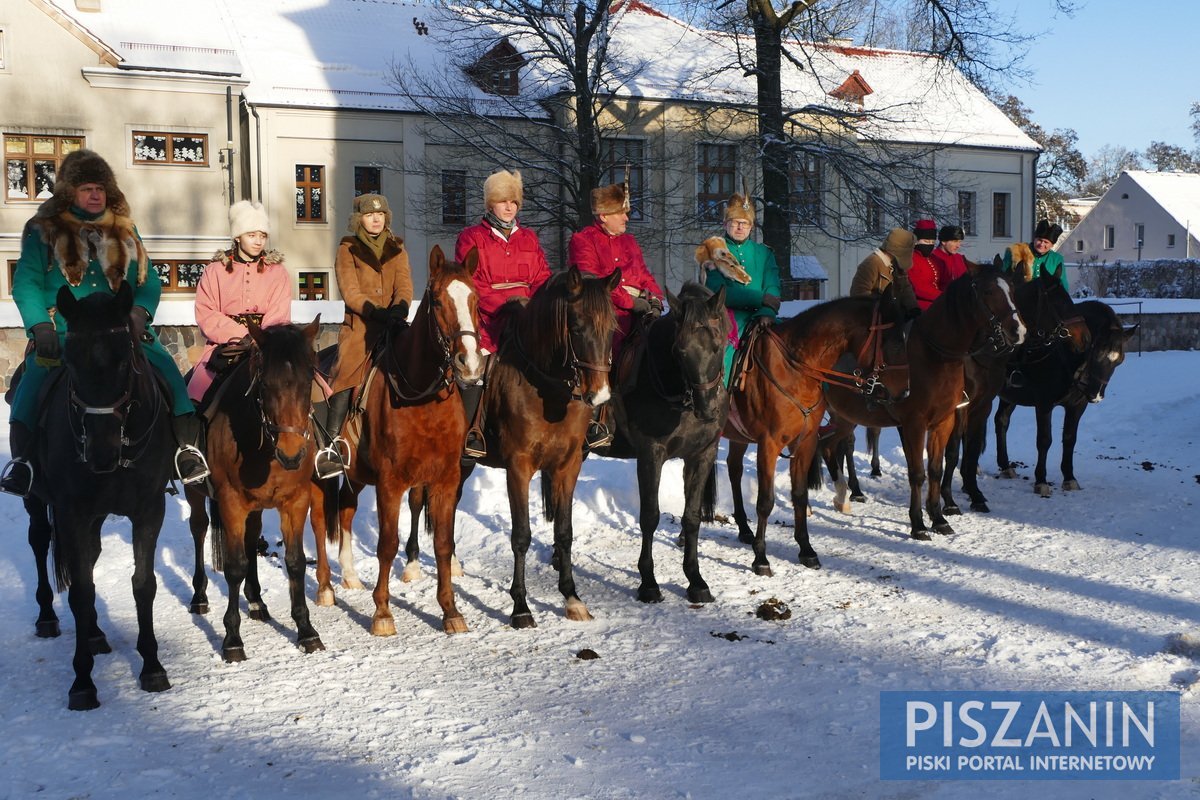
(198, 608)
(981, 507)
(876, 473)
(1008, 473)
(943, 529)
(258, 612)
(922, 536)
(99, 646)
(233, 655)
(48, 629)
(680, 540)
(311, 645)
(952, 510)
(326, 598)
(577, 611)
(84, 700)
(522, 621)
(1071, 486)
(858, 498)
(763, 570)
(700, 595)
(812, 562)
(649, 594)
(456, 570)
(155, 682)
(383, 626)
(412, 572)
(1042, 489)
(454, 625)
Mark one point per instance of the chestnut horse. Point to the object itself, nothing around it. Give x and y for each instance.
(411, 430)
(260, 451)
(780, 402)
(976, 312)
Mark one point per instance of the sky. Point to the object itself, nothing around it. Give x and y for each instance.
(1116, 72)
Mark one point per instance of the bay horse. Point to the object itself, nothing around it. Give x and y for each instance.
(261, 453)
(1064, 378)
(104, 447)
(975, 312)
(410, 434)
(676, 408)
(780, 400)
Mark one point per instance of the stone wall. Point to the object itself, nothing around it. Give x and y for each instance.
(1175, 331)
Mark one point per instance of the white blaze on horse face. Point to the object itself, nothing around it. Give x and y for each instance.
(602, 396)
(461, 293)
(1008, 295)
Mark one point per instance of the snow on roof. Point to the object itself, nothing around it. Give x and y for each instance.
(340, 54)
(808, 268)
(1177, 192)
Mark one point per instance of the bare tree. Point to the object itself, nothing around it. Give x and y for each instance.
(1061, 168)
(1106, 166)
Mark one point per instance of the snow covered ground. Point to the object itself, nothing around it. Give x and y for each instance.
(1078, 591)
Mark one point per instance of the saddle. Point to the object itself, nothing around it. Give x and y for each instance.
(628, 362)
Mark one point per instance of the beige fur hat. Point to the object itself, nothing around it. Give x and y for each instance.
(501, 186)
(740, 206)
(246, 216)
(367, 204)
(611, 199)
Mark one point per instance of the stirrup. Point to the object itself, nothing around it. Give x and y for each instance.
(598, 436)
(332, 459)
(474, 446)
(181, 458)
(17, 477)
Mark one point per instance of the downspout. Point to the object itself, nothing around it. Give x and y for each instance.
(257, 149)
(229, 139)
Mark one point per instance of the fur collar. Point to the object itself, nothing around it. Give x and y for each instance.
(268, 258)
(393, 248)
(111, 239)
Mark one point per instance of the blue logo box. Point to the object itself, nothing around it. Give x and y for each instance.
(927, 735)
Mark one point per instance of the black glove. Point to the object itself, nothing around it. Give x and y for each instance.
(516, 299)
(374, 313)
(138, 318)
(641, 305)
(398, 314)
(771, 302)
(45, 341)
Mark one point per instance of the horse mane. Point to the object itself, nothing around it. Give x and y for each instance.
(1021, 258)
(693, 298)
(542, 325)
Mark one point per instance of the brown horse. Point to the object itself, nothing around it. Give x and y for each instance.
(779, 404)
(261, 456)
(975, 313)
(410, 434)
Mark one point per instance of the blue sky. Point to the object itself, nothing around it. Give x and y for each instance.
(1116, 72)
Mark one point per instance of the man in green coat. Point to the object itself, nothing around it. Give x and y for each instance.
(1045, 259)
(83, 237)
(757, 302)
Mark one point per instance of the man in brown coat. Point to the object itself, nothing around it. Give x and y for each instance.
(889, 265)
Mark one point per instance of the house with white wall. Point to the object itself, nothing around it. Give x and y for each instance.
(1143, 216)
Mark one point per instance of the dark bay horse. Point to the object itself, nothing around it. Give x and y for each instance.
(975, 313)
(260, 451)
(676, 408)
(410, 434)
(780, 402)
(105, 447)
(1064, 378)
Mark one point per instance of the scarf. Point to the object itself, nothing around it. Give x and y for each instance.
(374, 243)
(77, 237)
(505, 229)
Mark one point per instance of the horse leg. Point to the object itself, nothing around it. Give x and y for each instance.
(912, 437)
(873, 448)
(518, 504)
(198, 523)
(234, 547)
(39, 540)
(803, 452)
(1070, 434)
(441, 513)
(320, 526)
(768, 453)
(291, 520)
(412, 548)
(696, 472)
(945, 477)
(256, 609)
(146, 527)
(387, 504)
(846, 447)
(973, 440)
(735, 464)
(839, 460)
(562, 484)
(940, 471)
(649, 474)
(347, 507)
(1003, 414)
(82, 552)
(1045, 438)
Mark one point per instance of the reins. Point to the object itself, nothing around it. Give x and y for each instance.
(411, 393)
(570, 361)
(684, 399)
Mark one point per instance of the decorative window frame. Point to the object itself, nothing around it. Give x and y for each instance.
(63, 145)
(169, 149)
(710, 206)
(170, 270)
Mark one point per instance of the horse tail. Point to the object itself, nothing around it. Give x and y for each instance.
(547, 497)
(218, 535)
(333, 519)
(62, 564)
(814, 471)
(708, 499)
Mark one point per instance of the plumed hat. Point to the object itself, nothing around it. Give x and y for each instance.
(925, 229)
(80, 167)
(899, 244)
(1047, 230)
(951, 233)
(369, 204)
(740, 206)
(502, 186)
(246, 217)
(611, 199)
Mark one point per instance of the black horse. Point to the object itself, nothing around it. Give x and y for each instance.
(1068, 379)
(105, 448)
(676, 407)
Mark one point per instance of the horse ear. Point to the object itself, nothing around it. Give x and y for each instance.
(471, 262)
(313, 328)
(1131, 330)
(125, 298)
(614, 280)
(716, 303)
(437, 260)
(66, 302)
(256, 333)
(998, 261)
(672, 300)
(574, 282)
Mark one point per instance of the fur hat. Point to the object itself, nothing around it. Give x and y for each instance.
(1047, 230)
(80, 167)
(247, 217)
(951, 233)
(899, 245)
(368, 204)
(740, 206)
(925, 229)
(501, 186)
(611, 199)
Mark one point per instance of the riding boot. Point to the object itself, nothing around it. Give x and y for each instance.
(17, 477)
(334, 455)
(472, 395)
(598, 433)
(190, 464)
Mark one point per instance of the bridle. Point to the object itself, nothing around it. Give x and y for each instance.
(686, 398)
(444, 371)
(269, 429)
(1045, 339)
(996, 340)
(571, 366)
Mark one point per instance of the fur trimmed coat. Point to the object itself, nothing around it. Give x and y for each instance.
(513, 267)
(876, 272)
(595, 251)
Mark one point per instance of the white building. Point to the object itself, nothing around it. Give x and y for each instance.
(1143, 216)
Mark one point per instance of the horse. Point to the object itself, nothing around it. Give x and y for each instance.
(410, 431)
(1068, 379)
(105, 447)
(779, 401)
(1051, 318)
(976, 312)
(261, 453)
(676, 407)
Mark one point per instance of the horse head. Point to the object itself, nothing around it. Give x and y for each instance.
(993, 288)
(454, 307)
(701, 333)
(714, 254)
(1047, 306)
(889, 347)
(282, 364)
(1106, 350)
(103, 364)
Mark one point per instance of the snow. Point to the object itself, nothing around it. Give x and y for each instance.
(1093, 589)
(1177, 192)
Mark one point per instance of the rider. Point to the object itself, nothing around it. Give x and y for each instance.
(375, 282)
(87, 206)
(599, 249)
(1045, 258)
(756, 303)
(511, 267)
(889, 265)
(923, 275)
(949, 262)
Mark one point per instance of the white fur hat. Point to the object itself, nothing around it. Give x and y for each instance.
(245, 216)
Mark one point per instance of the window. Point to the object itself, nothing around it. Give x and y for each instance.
(966, 212)
(1001, 215)
(12, 270)
(615, 156)
(806, 199)
(190, 149)
(31, 163)
(368, 180)
(914, 206)
(454, 197)
(1110, 237)
(873, 210)
(179, 275)
(1079, 245)
(1170, 240)
(1139, 234)
(498, 71)
(310, 193)
(3, 45)
(716, 166)
(312, 285)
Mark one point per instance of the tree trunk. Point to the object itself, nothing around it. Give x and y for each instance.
(776, 230)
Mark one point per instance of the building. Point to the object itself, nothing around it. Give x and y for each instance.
(1142, 216)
